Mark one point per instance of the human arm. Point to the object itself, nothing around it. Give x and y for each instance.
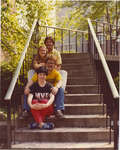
(39, 106)
(27, 89)
(58, 67)
(29, 83)
(58, 58)
(51, 100)
(57, 81)
(56, 87)
(59, 61)
(36, 64)
(33, 106)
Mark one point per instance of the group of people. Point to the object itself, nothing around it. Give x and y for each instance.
(44, 92)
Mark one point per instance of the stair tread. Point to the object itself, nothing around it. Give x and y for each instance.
(64, 130)
(79, 77)
(85, 116)
(84, 105)
(63, 145)
(80, 85)
(86, 132)
(82, 94)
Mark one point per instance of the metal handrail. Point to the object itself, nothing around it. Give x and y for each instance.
(64, 29)
(17, 71)
(103, 22)
(104, 63)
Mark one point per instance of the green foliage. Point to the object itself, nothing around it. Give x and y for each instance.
(12, 37)
(15, 26)
(117, 81)
(95, 10)
(3, 115)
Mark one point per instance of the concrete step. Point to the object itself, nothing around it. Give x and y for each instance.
(79, 81)
(83, 121)
(83, 60)
(24, 122)
(75, 56)
(63, 135)
(84, 109)
(76, 62)
(88, 121)
(80, 73)
(77, 66)
(83, 98)
(3, 134)
(82, 89)
(65, 145)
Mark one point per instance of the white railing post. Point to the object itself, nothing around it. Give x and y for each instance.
(16, 74)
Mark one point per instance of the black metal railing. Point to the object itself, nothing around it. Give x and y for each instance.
(108, 36)
(67, 40)
(110, 96)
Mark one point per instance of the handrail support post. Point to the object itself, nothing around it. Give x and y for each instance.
(9, 131)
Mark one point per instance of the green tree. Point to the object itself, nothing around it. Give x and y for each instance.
(15, 27)
(95, 10)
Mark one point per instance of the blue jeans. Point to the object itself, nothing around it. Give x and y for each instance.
(26, 106)
(59, 101)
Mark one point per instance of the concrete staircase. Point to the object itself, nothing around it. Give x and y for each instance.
(84, 127)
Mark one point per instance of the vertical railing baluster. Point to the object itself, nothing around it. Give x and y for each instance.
(54, 35)
(107, 37)
(82, 44)
(69, 41)
(46, 31)
(76, 41)
(104, 50)
(110, 39)
(116, 40)
(95, 49)
(89, 40)
(23, 71)
(14, 111)
(62, 40)
(9, 135)
(110, 132)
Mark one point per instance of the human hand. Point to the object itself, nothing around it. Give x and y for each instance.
(39, 106)
(26, 91)
(54, 90)
(41, 64)
(58, 67)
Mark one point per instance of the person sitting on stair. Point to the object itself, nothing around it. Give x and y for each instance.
(38, 61)
(49, 43)
(54, 78)
(40, 100)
